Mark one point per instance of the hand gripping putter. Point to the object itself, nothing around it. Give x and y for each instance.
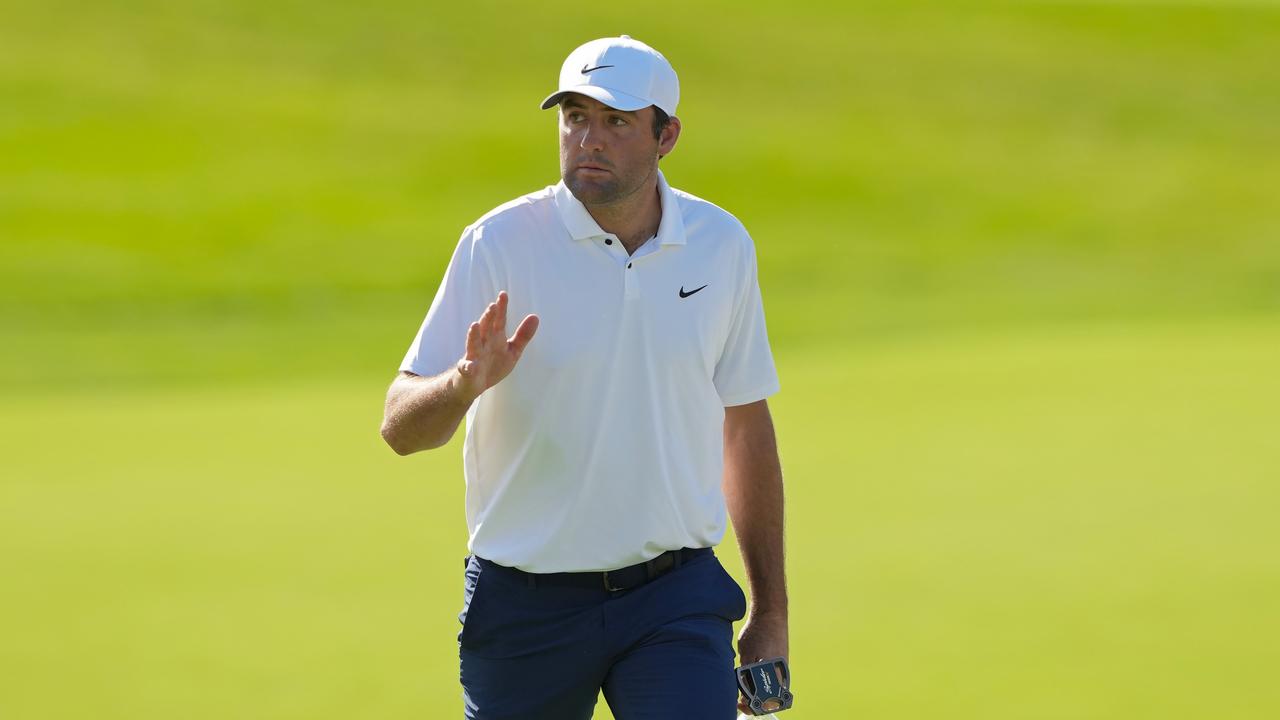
(766, 685)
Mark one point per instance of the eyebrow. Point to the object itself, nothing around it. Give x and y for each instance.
(571, 103)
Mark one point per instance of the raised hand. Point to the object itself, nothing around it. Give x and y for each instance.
(490, 355)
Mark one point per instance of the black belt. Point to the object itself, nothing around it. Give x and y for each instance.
(611, 580)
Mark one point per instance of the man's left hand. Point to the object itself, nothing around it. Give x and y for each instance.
(763, 636)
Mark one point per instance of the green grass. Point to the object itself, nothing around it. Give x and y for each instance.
(1069, 525)
(175, 164)
(1022, 269)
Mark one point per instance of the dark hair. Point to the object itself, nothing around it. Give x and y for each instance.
(660, 122)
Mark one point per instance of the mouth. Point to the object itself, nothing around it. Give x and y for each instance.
(592, 167)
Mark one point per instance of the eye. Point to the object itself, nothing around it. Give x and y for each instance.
(618, 120)
(573, 116)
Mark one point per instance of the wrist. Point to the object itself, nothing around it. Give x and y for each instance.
(461, 388)
(770, 611)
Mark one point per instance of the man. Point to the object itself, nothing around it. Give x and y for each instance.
(610, 427)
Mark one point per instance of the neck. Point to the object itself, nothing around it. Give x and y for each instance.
(634, 219)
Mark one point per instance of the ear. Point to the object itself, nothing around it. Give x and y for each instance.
(670, 134)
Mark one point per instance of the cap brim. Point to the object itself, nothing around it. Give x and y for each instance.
(612, 98)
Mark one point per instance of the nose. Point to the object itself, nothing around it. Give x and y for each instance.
(592, 137)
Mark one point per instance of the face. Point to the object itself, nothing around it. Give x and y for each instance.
(608, 155)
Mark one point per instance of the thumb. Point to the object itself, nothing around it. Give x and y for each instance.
(524, 334)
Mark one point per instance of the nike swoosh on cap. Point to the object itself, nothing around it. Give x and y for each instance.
(586, 69)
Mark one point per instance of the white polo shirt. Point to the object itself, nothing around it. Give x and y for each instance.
(604, 446)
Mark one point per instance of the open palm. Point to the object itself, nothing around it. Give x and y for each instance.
(490, 354)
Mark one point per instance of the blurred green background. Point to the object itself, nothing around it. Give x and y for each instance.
(1021, 264)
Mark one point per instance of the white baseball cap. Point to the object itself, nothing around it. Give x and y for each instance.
(620, 72)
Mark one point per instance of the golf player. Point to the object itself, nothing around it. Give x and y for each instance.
(605, 340)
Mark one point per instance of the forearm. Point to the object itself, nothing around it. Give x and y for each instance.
(423, 413)
(753, 491)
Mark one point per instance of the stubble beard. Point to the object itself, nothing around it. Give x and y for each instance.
(595, 192)
(607, 190)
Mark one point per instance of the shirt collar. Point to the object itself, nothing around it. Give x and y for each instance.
(582, 226)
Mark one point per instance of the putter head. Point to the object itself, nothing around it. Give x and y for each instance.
(766, 685)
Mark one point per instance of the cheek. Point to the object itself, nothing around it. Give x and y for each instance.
(569, 139)
(641, 152)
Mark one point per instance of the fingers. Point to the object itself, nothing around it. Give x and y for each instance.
(486, 321)
(473, 341)
(500, 320)
(490, 315)
(494, 319)
(524, 334)
(487, 334)
(492, 327)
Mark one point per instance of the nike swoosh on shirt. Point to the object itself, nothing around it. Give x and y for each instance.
(684, 294)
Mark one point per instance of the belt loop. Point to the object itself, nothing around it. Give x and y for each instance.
(648, 570)
(679, 557)
(533, 582)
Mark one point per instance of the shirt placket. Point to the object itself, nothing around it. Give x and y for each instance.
(631, 281)
(628, 264)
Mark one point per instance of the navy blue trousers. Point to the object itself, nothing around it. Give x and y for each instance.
(662, 650)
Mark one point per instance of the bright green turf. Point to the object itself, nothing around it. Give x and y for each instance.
(1068, 525)
(289, 170)
(1022, 269)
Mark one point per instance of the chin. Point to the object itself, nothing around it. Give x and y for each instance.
(592, 193)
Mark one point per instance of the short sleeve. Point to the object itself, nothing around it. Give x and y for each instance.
(465, 291)
(745, 371)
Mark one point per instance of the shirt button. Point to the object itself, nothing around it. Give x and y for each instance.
(628, 266)
(608, 241)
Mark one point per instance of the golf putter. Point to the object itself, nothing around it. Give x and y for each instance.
(766, 685)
